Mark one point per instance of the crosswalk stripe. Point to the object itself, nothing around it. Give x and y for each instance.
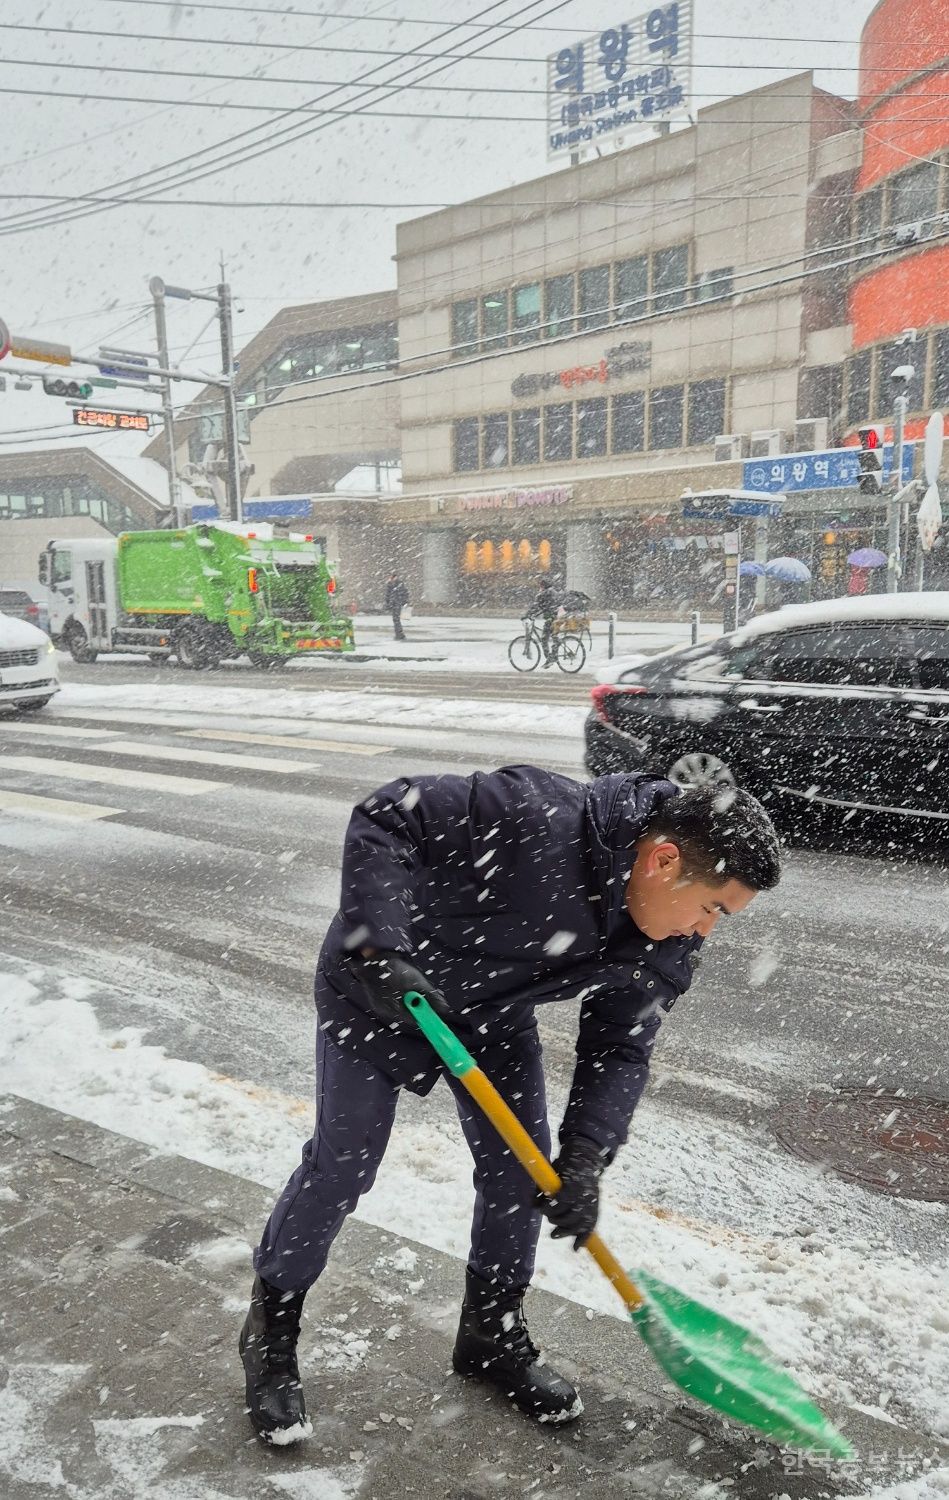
(290, 741)
(185, 786)
(207, 757)
(55, 807)
(59, 731)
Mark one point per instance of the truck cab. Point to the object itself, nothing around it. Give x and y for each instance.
(80, 581)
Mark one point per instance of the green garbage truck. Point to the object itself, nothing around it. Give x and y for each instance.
(200, 594)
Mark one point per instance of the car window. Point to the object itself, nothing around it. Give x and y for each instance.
(872, 655)
(752, 660)
(929, 648)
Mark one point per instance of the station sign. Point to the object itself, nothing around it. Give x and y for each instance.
(113, 421)
(721, 504)
(130, 367)
(834, 469)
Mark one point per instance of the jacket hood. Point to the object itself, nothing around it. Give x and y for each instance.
(619, 808)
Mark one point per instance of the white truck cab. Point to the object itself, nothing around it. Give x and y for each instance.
(80, 581)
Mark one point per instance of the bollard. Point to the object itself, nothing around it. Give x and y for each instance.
(612, 634)
(696, 619)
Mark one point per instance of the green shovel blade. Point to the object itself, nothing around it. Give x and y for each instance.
(730, 1369)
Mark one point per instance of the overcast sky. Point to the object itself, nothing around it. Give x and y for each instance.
(87, 281)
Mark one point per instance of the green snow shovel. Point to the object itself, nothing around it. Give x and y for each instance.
(709, 1357)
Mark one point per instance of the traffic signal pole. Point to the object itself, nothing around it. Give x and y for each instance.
(894, 562)
(157, 288)
(230, 402)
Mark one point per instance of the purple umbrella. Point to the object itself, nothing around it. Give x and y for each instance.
(867, 557)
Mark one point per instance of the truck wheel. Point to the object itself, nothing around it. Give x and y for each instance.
(266, 661)
(77, 643)
(191, 649)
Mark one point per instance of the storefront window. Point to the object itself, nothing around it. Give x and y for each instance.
(915, 194)
(629, 422)
(665, 417)
(632, 287)
(706, 410)
(494, 320)
(464, 328)
(527, 313)
(560, 298)
(527, 436)
(670, 274)
(558, 431)
(858, 388)
(467, 456)
(495, 428)
(594, 298)
(591, 428)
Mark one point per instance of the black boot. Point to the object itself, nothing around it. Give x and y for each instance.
(493, 1344)
(268, 1349)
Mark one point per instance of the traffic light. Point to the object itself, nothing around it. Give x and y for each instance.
(55, 385)
(870, 462)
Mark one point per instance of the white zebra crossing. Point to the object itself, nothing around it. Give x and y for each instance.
(55, 807)
(190, 753)
(150, 781)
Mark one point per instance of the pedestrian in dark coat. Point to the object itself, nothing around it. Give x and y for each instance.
(397, 597)
(492, 894)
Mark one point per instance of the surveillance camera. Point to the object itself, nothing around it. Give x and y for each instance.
(903, 374)
(908, 336)
(241, 309)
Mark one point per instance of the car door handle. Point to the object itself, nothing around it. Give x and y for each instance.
(761, 708)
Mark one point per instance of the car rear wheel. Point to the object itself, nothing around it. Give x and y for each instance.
(698, 769)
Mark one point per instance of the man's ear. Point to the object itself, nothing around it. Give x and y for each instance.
(668, 859)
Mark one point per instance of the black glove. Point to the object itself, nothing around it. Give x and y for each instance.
(384, 978)
(574, 1208)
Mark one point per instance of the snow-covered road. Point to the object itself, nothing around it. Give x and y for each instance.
(155, 980)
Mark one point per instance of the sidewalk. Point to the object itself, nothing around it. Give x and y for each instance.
(126, 1275)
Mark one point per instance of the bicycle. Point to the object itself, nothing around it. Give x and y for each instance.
(526, 651)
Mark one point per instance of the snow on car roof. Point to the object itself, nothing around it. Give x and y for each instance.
(928, 606)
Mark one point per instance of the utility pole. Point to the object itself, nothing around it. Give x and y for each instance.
(157, 288)
(225, 306)
(894, 564)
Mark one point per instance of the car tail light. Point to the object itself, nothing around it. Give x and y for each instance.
(605, 691)
(32, 609)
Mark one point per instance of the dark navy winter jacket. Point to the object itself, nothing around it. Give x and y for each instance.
(507, 888)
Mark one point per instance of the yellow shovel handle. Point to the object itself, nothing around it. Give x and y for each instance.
(535, 1163)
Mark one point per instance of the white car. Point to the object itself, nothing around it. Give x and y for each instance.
(29, 676)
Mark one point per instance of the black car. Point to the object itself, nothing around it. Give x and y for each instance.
(842, 704)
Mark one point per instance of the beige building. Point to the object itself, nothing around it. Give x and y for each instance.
(599, 327)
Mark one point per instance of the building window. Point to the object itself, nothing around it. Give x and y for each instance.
(940, 382)
(560, 302)
(870, 213)
(495, 428)
(858, 388)
(527, 436)
(464, 328)
(591, 428)
(594, 298)
(665, 417)
(494, 320)
(467, 455)
(527, 313)
(713, 284)
(706, 411)
(915, 195)
(632, 287)
(670, 275)
(558, 431)
(629, 422)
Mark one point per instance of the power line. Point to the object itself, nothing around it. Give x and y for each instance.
(284, 135)
(218, 41)
(421, 21)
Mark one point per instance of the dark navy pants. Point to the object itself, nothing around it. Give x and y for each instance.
(356, 1106)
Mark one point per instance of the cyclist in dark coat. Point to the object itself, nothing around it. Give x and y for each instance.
(493, 894)
(545, 607)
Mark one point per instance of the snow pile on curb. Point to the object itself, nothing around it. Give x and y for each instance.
(365, 706)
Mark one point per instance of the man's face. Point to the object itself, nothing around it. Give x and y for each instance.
(665, 902)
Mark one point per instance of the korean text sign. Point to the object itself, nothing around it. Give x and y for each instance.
(634, 74)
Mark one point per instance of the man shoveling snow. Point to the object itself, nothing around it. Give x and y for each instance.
(490, 895)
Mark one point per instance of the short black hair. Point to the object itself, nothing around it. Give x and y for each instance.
(723, 833)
